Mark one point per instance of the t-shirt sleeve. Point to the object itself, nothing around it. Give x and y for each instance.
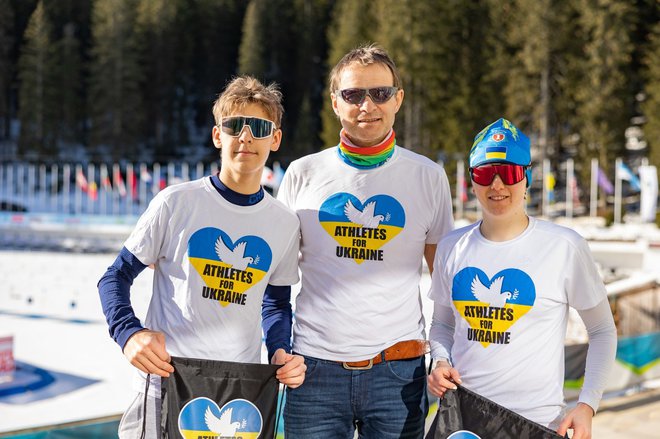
(145, 241)
(284, 191)
(286, 272)
(443, 220)
(584, 285)
(440, 291)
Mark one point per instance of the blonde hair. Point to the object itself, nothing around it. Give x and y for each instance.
(364, 55)
(244, 90)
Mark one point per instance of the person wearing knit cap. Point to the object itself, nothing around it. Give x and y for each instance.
(502, 288)
(370, 211)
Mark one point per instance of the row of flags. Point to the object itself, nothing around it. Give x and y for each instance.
(128, 186)
(115, 182)
(623, 172)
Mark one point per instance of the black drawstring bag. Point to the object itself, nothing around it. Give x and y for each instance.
(466, 411)
(219, 399)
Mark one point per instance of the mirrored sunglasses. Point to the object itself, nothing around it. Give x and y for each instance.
(510, 174)
(378, 95)
(259, 128)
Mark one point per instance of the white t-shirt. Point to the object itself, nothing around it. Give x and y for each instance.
(213, 260)
(510, 303)
(363, 237)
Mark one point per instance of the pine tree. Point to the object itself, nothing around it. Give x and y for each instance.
(216, 30)
(68, 74)
(70, 21)
(304, 108)
(6, 64)
(444, 68)
(157, 42)
(253, 51)
(36, 100)
(275, 52)
(651, 105)
(115, 76)
(527, 91)
(353, 23)
(533, 57)
(603, 96)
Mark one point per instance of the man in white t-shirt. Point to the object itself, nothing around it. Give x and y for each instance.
(370, 211)
(502, 288)
(224, 253)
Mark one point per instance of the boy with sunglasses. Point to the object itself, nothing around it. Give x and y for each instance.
(222, 248)
(502, 288)
(370, 211)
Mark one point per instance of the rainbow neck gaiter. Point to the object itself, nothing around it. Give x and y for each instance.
(366, 157)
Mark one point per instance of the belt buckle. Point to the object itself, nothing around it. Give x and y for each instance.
(366, 367)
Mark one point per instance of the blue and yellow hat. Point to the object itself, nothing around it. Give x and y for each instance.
(501, 142)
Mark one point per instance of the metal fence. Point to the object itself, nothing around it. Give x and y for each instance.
(94, 189)
(126, 188)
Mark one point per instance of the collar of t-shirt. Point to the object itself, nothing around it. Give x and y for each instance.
(233, 196)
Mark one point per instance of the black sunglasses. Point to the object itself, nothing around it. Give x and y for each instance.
(259, 128)
(378, 95)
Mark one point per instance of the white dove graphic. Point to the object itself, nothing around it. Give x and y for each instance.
(223, 425)
(492, 295)
(364, 218)
(234, 257)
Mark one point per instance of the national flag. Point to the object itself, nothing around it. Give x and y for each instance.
(625, 173)
(604, 183)
(462, 185)
(105, 179)
(157, 184)
(465, 414)
(278, 173)
(575, 192)
(550, 183)
(648, 197)
(81, 180)
(495, 152)
(207, 398)
(144, 174)
(131, 180)
(92, 191)
(118, 181)
(267, 177)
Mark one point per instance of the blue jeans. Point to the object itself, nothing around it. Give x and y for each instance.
(387, 401)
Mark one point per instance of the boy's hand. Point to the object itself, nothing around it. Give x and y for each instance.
(292, 373)
(579, 419)
(443, 378)
(146, 350)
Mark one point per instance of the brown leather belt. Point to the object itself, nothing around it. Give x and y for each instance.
(402, 350)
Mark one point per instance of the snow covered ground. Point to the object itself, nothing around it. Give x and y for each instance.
(49, 303)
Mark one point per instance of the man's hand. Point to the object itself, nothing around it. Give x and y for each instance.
(292, 373)
(146, 350)
(579, 419)
(443, 378)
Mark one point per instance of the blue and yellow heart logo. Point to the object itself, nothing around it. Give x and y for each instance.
(492, 306)
(228, 267)
(361, 229)
(201, 417)
(463, 434)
